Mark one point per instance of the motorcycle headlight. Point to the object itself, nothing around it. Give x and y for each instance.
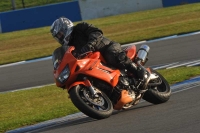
(64, 75)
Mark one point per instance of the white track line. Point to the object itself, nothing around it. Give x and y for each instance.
(28, 88)
(12, 64)
(135, 43)
(185, 89)
(194, 64)
(164, 38)
(165, 66)
(183, 64)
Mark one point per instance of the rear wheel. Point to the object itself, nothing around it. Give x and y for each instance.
(160, 93)
(99, 107)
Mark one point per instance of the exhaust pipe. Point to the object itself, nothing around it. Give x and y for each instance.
(141, 58)
(142, 53)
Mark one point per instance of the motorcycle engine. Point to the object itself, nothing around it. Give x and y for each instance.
(105, 87)
(123, 84)
(114, 94)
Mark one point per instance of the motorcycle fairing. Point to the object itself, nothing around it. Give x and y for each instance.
(124, 99)
(130, 51)
(91, 66)
(94, 68)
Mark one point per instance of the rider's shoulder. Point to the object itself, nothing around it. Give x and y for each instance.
(83, 25)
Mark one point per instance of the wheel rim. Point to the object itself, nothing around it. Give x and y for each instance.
(98, 103)
(161, 87)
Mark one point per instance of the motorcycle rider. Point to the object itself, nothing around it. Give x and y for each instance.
(86, 37)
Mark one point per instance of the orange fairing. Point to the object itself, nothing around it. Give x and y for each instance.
(97, 70)
(67, 59)
(70, 49)
(90, 65)
(130, 51)
(125, 98)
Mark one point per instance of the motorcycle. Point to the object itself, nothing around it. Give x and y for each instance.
(97, 89)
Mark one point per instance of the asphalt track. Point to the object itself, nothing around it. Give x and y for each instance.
(179, 115)
(41, 72)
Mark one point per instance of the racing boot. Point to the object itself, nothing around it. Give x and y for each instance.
(131, 66)
(139, 73)
(136, 70)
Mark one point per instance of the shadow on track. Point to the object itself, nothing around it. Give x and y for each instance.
(80, 121)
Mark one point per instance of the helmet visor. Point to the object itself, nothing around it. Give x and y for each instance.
(60, 37)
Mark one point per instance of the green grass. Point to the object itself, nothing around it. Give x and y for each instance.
(32, 106)
(6, 5)
(29, 107)
(126, 28)
(180, 74)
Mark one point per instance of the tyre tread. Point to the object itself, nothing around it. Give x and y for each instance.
(83, 107)
(157, 97)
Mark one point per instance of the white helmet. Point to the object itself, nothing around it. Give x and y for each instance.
(61, 30)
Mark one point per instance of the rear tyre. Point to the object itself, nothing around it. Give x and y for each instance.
(96, 107)
(160, 93)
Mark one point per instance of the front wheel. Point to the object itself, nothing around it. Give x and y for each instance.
(160, 93)
(99, 107)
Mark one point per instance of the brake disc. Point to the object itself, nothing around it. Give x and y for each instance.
(99, 101)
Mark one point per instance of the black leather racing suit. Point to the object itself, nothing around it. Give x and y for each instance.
(86, 34)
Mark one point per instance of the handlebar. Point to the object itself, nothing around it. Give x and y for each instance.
(80, 56)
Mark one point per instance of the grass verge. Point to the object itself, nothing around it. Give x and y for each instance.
(132, 27)
(29, 107)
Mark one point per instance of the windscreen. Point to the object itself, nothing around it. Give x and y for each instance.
(57, 56)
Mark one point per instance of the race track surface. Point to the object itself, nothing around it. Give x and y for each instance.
(179, 115)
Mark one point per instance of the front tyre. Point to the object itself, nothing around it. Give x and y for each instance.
(96, 107)
(160, 93)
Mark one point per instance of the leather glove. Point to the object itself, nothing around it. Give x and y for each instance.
(87, 48)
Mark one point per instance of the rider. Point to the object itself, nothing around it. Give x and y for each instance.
(85, 37)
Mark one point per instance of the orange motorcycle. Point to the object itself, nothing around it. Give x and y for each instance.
(96, 88)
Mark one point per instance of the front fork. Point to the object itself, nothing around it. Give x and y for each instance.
(91, 88)
(86, 83)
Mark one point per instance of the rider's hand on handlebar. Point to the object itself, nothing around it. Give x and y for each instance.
(87, 48)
